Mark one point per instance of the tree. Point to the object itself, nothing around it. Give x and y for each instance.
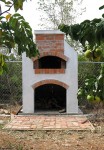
(15, 31)
(90, 34)
(59, 12)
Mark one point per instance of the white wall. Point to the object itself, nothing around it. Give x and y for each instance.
(72, 79)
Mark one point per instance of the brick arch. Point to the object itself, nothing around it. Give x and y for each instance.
(50, 81)
(57, 54)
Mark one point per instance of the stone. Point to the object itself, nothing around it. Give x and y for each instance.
(1, 121)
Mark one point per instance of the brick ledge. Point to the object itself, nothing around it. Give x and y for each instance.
(49, 71)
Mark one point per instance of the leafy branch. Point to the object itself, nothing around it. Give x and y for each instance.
(15, 32)
(6, 10)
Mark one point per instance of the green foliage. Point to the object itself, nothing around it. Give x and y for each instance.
(11, 83)
(102, 7)
(17, 4)
(93, 87)
(15, 31)
(81, 57)
(87, 31)
(3, 66)
(100, 83)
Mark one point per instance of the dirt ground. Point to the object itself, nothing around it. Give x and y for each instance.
(53, 140)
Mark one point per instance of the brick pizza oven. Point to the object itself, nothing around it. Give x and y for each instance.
(50, 80)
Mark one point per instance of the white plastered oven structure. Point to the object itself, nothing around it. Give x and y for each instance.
(52, 43)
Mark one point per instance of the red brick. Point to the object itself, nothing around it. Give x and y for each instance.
(37, 71)
(50, 82)
(40, 37)
(49, 71)
(59, 37)
(50, 37)
(50, 42)
(54, 53)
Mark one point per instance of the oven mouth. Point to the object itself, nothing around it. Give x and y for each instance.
(50, 97)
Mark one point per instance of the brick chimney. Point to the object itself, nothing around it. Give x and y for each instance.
(50, 41)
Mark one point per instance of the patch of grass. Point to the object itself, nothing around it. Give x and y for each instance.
(19, 147)
(12, 145)
(1, 126)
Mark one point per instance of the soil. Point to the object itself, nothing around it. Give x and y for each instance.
(53, 140)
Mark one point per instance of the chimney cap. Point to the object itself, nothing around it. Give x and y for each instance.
(48, 32)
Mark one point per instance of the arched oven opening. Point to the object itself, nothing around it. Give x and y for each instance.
(50, 62)
(50, 97)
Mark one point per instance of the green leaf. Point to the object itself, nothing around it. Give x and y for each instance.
(18, 15)
(102, 7)
(5, 68)
(17, 31)
(13, 23)
(103, 15)
(2, 17)
(3, 1)
(0, 33)
(8, 2)
(18, 4)
(1, 70)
